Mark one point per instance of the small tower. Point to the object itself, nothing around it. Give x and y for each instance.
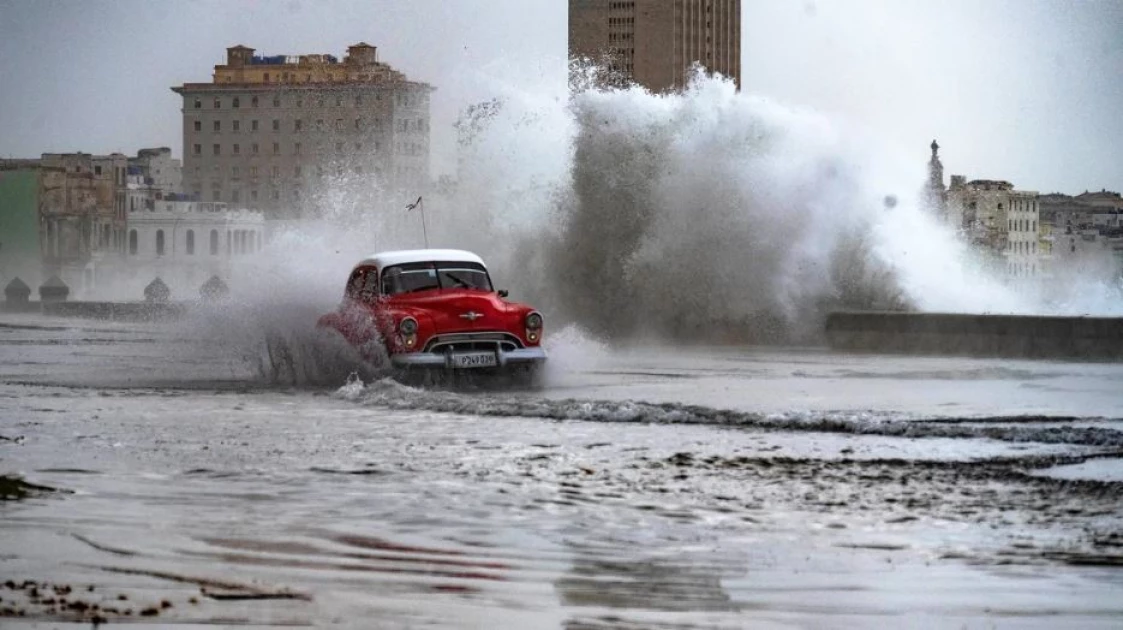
(934, 192)
(239, 56)
(361, 54)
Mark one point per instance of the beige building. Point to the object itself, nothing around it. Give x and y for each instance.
(271, 133)
(655, 42)
(1000, 220)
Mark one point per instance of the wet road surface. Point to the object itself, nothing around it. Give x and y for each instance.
(150, 471)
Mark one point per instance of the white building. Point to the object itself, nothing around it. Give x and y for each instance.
(186, 242)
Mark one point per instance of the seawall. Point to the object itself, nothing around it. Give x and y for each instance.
(117, 311)
(1025, 336)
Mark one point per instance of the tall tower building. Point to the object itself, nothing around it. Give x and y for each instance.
(655, 42)
(934, 191)
(269, 131)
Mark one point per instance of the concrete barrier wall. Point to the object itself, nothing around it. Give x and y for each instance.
(120, 311)
(977, 335)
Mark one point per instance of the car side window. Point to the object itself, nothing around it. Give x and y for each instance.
(370, 286)
(363, 284)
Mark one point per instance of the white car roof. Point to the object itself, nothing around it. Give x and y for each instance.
(386, 259)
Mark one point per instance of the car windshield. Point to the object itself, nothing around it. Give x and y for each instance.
(412, 277)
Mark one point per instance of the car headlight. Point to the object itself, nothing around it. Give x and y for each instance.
(408, 326)
(534, 321)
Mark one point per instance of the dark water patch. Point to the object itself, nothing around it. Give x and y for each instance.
(962, 374)
(77, 342)
(373, 472)
(206, 584)
(290, 548)
(14, 488)
(1086, 559)
(102, 547)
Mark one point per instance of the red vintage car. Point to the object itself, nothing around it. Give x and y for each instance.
(436, 308)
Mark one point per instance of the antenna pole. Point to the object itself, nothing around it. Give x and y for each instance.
(424, 229)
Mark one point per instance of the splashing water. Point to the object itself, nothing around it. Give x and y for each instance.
(703, 214)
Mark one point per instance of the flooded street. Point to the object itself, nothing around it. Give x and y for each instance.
(155, 475)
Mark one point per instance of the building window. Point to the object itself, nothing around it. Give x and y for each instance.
(255, 149)
(217, 149)
(276, 148)
(253, 102)
(253, 171)
(296, 148)
(190, 242)
(197, 149)
(237, 149)
(276, 194)
(217, 103)
(276, 125)
(339, 124)
(275, 172)
(297, 171)
(237, 102)
(217, 126)
(359, 100)
(234, 170)
(358, 123)
(235, 195)
(198, 103)
(339, 147)
(320, 102)
(300, 102)
(214, 242)
(132, 242)
(297, 125)
(266, 78)
(159, 242)
(198, 125)
(319, 124)
(237, 125)
(253, 195)
(253, 125)
(276, 101)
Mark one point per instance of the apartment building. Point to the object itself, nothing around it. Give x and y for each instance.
(273, 132)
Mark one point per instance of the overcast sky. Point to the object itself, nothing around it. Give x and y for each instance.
(1025, 90)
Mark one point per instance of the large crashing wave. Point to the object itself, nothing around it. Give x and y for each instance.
(703, 214)
(711, 212)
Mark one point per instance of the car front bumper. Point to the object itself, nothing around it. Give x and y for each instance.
(443, 360)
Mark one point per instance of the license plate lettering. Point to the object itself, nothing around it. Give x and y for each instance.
(474, 360)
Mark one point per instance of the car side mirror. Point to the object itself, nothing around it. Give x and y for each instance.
(503, 293)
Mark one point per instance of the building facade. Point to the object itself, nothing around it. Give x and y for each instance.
(656, 42)
(999, 220)
(158, 169)
(20, 256)
(185, 242)
(269, 133)
(82, 215)
(1086, 230)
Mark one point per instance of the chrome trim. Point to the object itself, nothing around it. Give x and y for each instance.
(487, 340)
(520, 356)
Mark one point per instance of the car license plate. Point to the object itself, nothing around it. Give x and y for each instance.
(474, 360)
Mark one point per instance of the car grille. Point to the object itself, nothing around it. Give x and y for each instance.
(473, 341)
